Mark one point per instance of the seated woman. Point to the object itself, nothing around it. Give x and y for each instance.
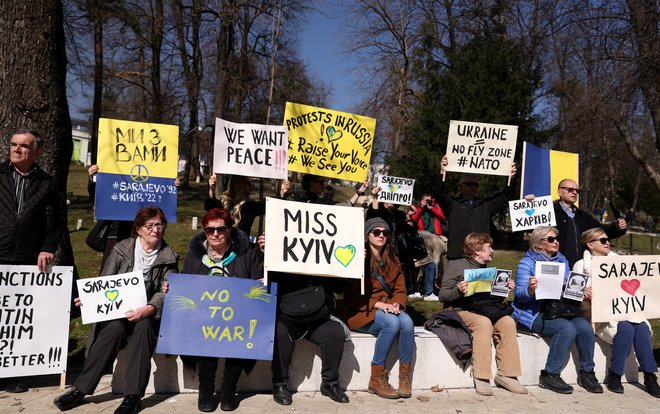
(564, 331)
(145, 250)
(478, 252)
(220, 250)
(621, 335)
(381, 311)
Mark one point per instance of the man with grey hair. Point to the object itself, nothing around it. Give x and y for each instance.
(32, 212)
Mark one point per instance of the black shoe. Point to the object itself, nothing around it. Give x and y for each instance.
(553, 382)
(651, 383)
(281, 394)
(613, 382)
(16, 387)
(334, 392)
(205, 400)
(228, 400)
(69, 399)
(130, 405)
(589, 382)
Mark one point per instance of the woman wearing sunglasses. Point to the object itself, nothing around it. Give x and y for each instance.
(221, 250)
(563, 331)
(621, 335)
(380, 311)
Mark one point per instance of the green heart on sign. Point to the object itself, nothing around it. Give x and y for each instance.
(112, 294)
(345, 254)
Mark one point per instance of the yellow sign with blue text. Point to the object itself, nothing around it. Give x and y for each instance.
(329, 143)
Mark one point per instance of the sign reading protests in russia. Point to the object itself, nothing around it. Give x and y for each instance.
(218, 317)
(527, 215)
(137, 167)
(395, 190)
(481, 148)
(34, 320)
(625, 288)
(314, 239)
(250, 149)
(329, 143)
(109, 297)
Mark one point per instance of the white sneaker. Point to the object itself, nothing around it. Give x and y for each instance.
(431, 298)
(415, 295)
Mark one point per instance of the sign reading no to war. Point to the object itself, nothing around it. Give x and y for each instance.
(314, 239)
(109, 297)
(34, 320)
(138, 164)
(625, 287)
(395, 190)
(481, 148)
(250, 149)
(527, 215)
(329, 143)
(218, 317)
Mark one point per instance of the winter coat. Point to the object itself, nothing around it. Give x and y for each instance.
(436, 214)
(453, 332)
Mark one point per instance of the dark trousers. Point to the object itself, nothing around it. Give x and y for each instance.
(327, 334)
(207, 366)
(111, 337)
(627, 335)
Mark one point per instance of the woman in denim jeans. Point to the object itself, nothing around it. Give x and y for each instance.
(544, 247)
(381, 310)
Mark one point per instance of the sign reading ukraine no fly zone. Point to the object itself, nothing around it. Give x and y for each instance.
(137, 168)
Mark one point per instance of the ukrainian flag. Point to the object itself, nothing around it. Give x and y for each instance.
(543, 169)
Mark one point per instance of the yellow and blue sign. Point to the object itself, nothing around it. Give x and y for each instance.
(137, 168)
(543, 169)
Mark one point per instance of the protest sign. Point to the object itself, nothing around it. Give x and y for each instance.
(314, 239)
(137, 168)
(625, 288)
(109, 297)
(481, 148)
(575, 286)
(218, 317)
(479, 280)
(251, 150)
(550, 276)
(527, 215)
(395, 190)
(34, 320)
(329, 143)
(500, 286)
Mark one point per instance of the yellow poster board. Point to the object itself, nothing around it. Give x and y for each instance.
(329, 143)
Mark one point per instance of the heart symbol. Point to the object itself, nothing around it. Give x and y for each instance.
(344, 254)
(333, 134)
(111, 294)
(530, 212)
(630, 286)
(393, 188)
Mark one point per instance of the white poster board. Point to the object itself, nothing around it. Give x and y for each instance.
(106, 298)
(480, 148)
(314, 239)
(396, 190)
(550, 276)
(34, 314)
(527, 215)
(251, 150)
(625, 287)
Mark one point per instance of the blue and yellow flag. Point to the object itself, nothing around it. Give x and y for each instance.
(543, 169)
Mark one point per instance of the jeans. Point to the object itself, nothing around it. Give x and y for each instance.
(429, 277)
(627, 334)
(564, 332)
(388, 326)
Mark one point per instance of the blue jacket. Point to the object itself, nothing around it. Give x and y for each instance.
(525, 307)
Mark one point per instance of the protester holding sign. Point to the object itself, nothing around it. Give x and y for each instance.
(547, 319)
(236, 200)
(487, 317)
(622, 334)
(145, 250)
(381, 311)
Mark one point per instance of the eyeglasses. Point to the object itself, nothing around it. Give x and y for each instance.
(378, 232)
(602, 240)
(474, 185)
(211, 230)
(151, 226)
(551, 239)
(571, 189)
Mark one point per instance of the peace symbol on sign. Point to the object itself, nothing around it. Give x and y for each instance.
(139, 173)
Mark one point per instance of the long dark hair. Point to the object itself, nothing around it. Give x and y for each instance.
(387, 254)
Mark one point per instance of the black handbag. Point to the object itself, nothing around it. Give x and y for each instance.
(492, 307)
(564, 308)
(98, 235)
(305, 305)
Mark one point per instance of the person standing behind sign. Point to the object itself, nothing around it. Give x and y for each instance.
(429, 217)
(145, 250)
(622, 335)
(381, 311)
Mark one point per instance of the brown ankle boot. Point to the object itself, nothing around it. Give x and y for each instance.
(378, 383)
(405, 380)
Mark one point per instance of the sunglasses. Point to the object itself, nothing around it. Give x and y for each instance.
(551, 239)
(378, 232)
(602, 240)
(474, 185)
(211, 230)
(571, 189)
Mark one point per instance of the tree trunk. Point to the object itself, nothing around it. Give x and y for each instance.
(98, 81)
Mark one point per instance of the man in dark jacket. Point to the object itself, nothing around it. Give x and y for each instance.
(32, 212)
(572, 222)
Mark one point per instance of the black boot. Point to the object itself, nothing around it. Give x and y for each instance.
(613, 382)
(233, 369)
(228, 400)
(651, 383)
(206, 368)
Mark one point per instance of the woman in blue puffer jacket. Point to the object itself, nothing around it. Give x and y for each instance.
(544, 247)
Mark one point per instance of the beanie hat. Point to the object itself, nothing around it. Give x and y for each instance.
(372, 223)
